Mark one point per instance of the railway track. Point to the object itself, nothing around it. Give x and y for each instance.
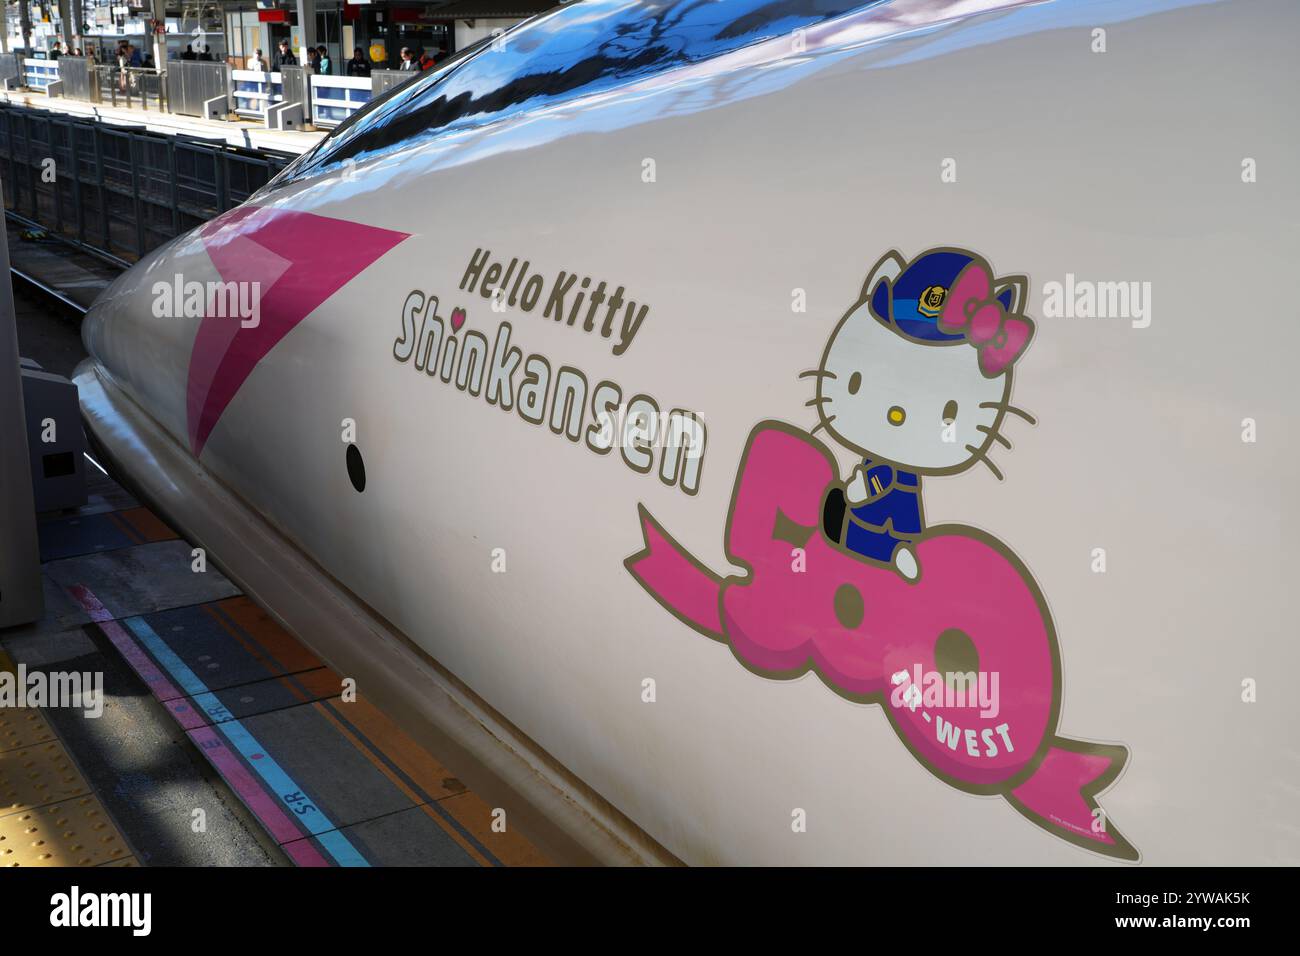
(45, 290)
(59, 279)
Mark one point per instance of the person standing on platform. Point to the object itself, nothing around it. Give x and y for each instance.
(326, 66)
(358, 65)
(285, 56)
(408, 59)
(121, 66)
(257, 62)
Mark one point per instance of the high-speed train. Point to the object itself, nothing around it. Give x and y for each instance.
(780, 431)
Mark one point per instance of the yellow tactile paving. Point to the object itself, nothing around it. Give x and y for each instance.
(31, 777)
(48, 816)
(22, 727)
(73, 832)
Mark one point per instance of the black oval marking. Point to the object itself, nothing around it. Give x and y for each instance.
(356, 468)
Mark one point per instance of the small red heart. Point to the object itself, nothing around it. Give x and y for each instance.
(457, 319)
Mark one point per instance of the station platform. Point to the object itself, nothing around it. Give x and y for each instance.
(292, 768)
(248, 133)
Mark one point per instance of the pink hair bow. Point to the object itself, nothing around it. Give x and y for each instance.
(972, 309)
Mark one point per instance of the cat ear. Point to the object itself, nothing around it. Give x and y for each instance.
(1012, 292)
(877, 290)
(888, 268)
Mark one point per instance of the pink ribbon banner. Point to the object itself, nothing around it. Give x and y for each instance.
(963, 659)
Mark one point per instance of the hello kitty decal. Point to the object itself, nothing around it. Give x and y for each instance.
(942, 626)
(914, 410)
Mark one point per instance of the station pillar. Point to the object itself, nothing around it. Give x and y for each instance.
(306, 27)
(159, 39)
(25, 19)
(65, 18)
(21, 600)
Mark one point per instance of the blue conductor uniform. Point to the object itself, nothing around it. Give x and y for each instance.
(912, 304)
(891, 516)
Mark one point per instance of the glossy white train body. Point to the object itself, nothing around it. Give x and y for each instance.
(737, 204)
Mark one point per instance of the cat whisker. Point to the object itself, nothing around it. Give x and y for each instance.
(820, 373)
(981, 456)
(822, 424)
(1008, 407)
(996, 436)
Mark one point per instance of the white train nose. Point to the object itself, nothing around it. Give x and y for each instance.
(140, 332)
(187, 327)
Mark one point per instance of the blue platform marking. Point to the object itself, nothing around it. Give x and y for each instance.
(280, 783)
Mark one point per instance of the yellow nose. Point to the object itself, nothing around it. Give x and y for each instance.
(896, 415)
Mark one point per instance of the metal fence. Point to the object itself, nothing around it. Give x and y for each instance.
(191, 83)
(293, 83)
(38, 74)
(187, 86)
(254, 91)
(77, 73)
(335, 98)
(384, 80)
(132, 86)
(120, 191)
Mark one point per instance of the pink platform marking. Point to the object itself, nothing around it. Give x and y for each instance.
(272, 816)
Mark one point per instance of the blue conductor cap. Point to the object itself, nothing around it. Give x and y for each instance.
(913, 302)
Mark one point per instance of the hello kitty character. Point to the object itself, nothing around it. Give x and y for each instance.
(916, 378)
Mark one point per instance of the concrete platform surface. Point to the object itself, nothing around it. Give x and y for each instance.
(223, 739)
(237, 133)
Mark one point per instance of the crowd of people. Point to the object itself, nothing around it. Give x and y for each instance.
(318, 58)
(417, 59)
(56, 51)
(192, 54)
(129, 55)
